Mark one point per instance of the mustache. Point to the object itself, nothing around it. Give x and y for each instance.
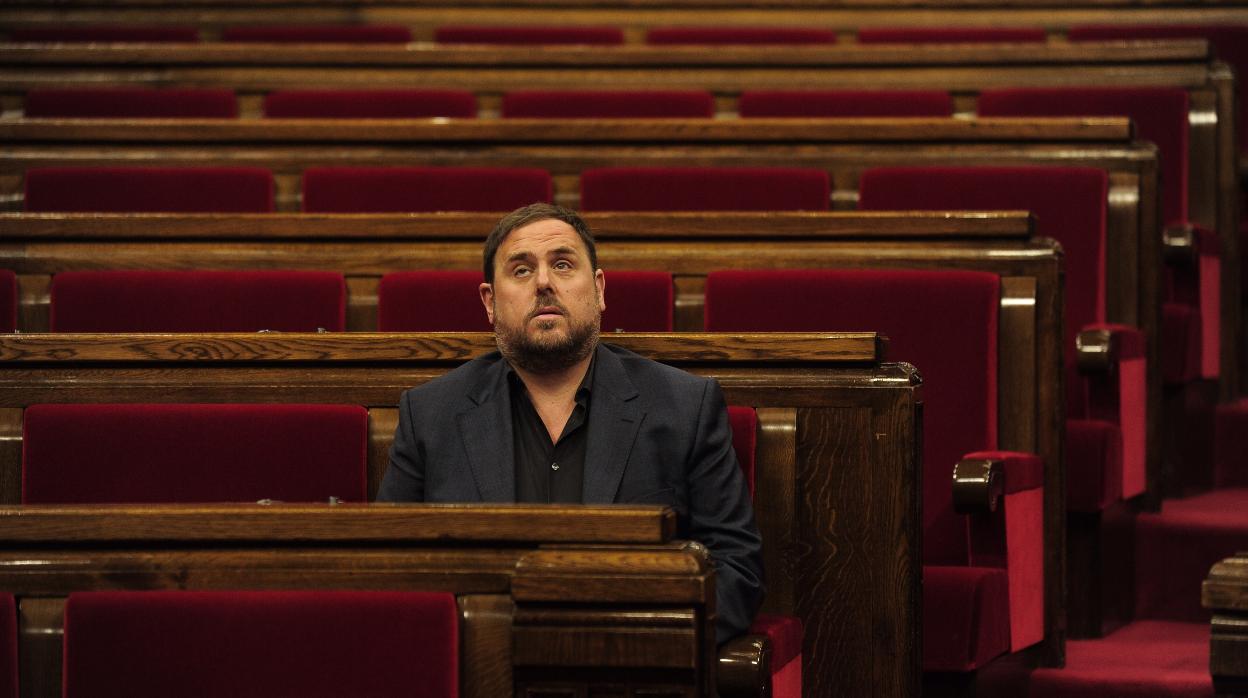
(546, 301)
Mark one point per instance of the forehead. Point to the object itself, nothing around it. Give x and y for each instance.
(540, 237)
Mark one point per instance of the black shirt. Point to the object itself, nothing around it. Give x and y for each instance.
(545, 471)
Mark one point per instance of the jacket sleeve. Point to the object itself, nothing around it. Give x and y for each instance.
(404, 480)
(721, 517)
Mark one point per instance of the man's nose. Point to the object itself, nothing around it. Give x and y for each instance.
(543, 277)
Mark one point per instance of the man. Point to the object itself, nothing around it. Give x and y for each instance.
(554, 416)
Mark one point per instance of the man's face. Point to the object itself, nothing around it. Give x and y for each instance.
(546, 301)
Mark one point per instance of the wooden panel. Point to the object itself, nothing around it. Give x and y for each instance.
(486, 645)
(775, 475)
(40, 637)
(382, 422)
(10, 455)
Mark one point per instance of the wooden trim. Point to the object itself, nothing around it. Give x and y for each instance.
(775, 475)
(11, 455)
(485, 645)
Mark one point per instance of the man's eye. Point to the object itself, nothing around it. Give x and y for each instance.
(520, 271)
(563, 264)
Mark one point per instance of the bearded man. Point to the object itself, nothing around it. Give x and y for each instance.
(555, 416)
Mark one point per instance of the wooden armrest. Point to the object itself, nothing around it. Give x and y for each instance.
(1184, 243)
(978, 485)
(745, 667)
(1099, 348)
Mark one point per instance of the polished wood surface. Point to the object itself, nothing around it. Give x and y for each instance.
(1225, 595)
(834, 429)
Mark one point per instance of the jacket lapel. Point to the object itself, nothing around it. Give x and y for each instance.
(486, 432)
(614, 419)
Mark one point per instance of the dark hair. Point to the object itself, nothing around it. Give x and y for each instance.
(532, 214)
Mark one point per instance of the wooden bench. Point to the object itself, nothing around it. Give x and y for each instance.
(523, 576)
(835, 423)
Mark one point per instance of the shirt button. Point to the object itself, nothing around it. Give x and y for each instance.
(554, 466)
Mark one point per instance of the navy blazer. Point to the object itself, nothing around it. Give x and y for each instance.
(657, 435)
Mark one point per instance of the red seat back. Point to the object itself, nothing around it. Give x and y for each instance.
(951, 35)
(1160, 115)
(198, 301)
(448, 301)
(422, 189)
(590, 104)
(130, 102)
(151, 453)
(106, 33)
(261, 643)
(370, 104)
(944, 322)
(705, 189)
(845, 103)
(744, 421)
(8, 300)
(313, 33)
(602, 36)
(149, 190)
(739, 35)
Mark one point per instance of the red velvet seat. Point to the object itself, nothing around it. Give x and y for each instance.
(785, 632)
(1161, 116)
(106, 34)
(370, 104)
(448, 301)
(8, 300)
(1071, 205)
(422, 189)
(599, 36)
(739, 35)
(845, 103)
(316, 33)
(198, 301)
(247, 644)
(945, 322)
(704, 189)
(616, 104)
(8, 646)
(152, 453)
(130, 102)
(951, 35)
(149, 190)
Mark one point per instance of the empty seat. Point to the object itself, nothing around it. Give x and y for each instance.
(705, 189)
(8, 646)
(247, 644)
(197, 301)
(1071, 206)
(739, 35)
(106, 33)
(176, 453)
(8, 300)
(149, 190)
(1161, 116)
(448, 301)
(315, 33)
(951, 35)
(845, 103)
(370, 104)
(422, 189)
(983, 590)
(130, 102)
(601, 36)
(589, 104)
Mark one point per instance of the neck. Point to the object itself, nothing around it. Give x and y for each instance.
(555, 383)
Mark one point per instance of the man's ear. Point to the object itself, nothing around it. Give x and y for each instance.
(487, 299)
(600, 281)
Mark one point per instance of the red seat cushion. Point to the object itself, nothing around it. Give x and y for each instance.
(8, 300)
(77, 454)
(8, 646)
(370, 104)
(149, 190)
(845, 103)
(130, 102)
(422, 189)
(744, 421)
(966, 617)
(261, 643)
(198, 301)
(942, 321)
(786, 634)
(106, 33)
(329, 33)
(740, 35)
(528, 35)
(704, 189)
(951, 35)
(589, 104)
(1160, 115)
(448, 301)
(1093, 464)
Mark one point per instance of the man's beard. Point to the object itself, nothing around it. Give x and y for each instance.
(546, 354)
